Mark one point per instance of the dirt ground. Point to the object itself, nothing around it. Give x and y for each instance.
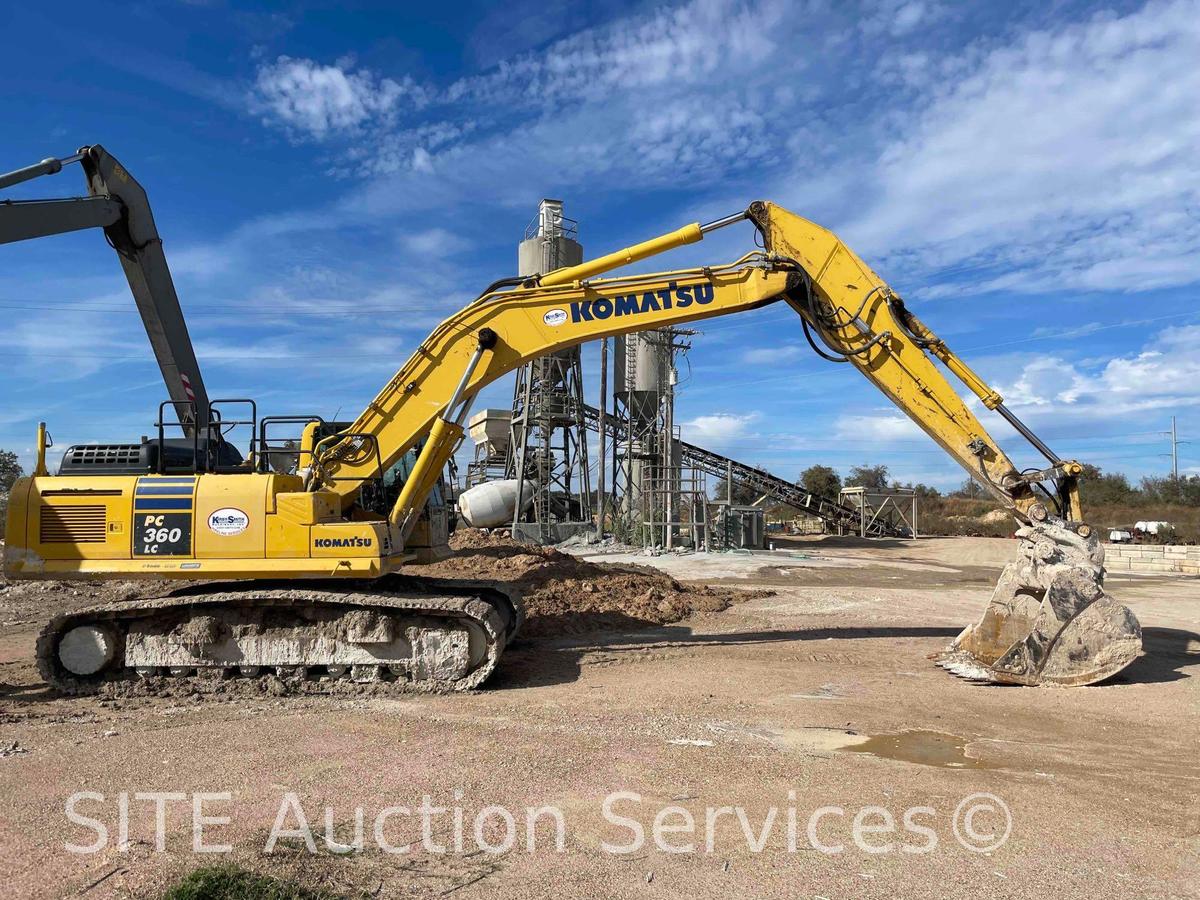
(790, 687)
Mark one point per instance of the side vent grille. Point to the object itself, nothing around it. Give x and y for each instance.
(103, 455)
(74, 524)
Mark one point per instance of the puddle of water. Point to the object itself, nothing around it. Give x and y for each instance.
(926, 748)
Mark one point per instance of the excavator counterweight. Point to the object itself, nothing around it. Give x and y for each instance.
(292, 556)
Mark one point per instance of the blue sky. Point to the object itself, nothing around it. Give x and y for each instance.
(331, 180)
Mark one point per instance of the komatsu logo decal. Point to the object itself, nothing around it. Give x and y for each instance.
(670, 297)
(343, 542)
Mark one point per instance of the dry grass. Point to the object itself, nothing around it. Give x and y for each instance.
(230, 882)
(958, 516)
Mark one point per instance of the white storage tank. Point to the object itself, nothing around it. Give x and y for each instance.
(493, 503)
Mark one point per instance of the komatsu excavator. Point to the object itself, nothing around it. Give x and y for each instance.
(295, 568)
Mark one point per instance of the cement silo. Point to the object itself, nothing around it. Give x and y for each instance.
(646, 463)
(550, 241)
(548, 446)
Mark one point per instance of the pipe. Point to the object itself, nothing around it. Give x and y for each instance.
(688, 234)
(721, 223)
(602, 430)
(462, 383)
(43, 441)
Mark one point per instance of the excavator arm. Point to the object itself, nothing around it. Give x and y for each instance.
(118, 204)
(861, 320)
(1049, 620)
(429, 397)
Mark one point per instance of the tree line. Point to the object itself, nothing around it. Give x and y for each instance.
(10, 471)
(1099, 488)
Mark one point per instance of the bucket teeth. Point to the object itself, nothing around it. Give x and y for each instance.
(965, 668)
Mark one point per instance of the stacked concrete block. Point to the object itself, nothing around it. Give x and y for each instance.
(1153, 559)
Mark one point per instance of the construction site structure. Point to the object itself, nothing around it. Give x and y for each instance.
(838, 517)
(892, 508)
(656, 498)
(674, 504)
(490, 430)
(739, 527)
(548, 439)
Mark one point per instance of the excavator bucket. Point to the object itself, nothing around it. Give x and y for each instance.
(1049, 620)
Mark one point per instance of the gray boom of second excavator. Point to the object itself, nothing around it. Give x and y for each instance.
(118, 204)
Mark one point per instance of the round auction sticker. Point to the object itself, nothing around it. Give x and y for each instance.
(228, 521)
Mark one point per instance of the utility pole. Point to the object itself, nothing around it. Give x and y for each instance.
(1173, 434)
(1174, 451)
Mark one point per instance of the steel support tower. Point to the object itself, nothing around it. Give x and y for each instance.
(548, 444)
(646, 469)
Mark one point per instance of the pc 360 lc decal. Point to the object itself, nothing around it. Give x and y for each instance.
(670, 297)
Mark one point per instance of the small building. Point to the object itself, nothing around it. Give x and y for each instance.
(739, 528)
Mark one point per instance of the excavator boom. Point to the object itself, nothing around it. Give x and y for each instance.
(118, 204)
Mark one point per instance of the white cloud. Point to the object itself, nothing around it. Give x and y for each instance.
(314, 100)
(769, 356)
(648, 93)
(673, 46)
(433, 242)
(717, 429)
(1162, 375)
(1065, 159)
(896, 17)
(1054, 158)
(884, 426)
(1046, 382)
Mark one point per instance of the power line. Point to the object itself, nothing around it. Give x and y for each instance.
(1075, 333)
(1083, 331)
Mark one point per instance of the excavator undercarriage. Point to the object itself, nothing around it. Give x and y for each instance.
(413, 634)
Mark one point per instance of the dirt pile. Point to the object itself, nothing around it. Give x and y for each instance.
(562, 594)
(22, 602)
(567, 595)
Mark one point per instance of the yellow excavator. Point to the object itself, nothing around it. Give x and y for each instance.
(294, 555)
